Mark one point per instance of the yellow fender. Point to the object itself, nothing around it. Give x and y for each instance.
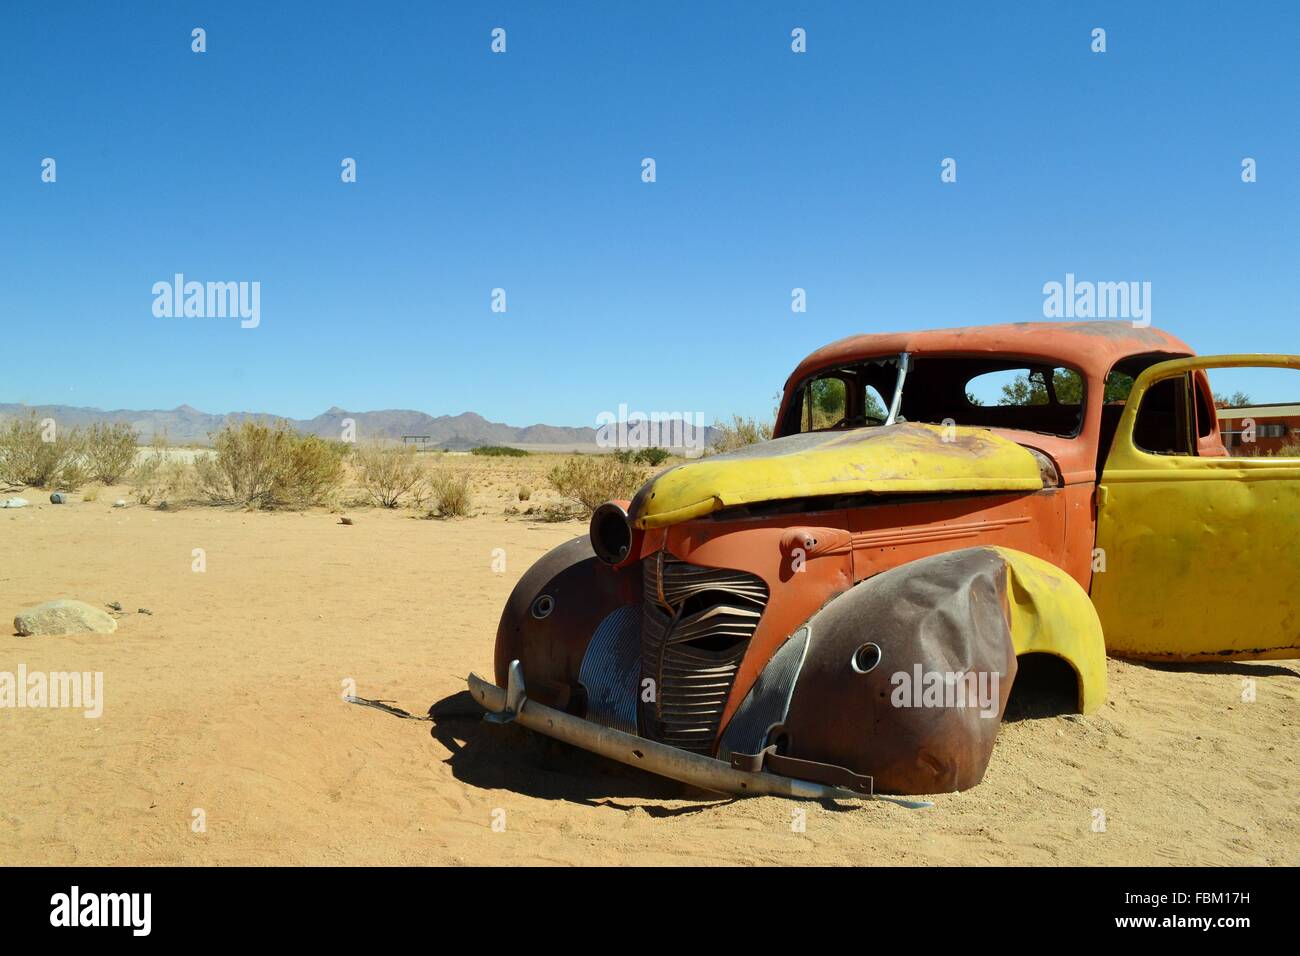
(1049, 613)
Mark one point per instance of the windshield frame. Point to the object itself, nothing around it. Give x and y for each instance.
(906, 364)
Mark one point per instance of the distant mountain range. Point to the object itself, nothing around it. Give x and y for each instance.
(189, 426)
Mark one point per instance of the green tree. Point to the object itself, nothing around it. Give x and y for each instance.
(1235, 400)
(1031, 389)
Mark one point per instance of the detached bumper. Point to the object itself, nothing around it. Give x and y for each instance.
(512, 705)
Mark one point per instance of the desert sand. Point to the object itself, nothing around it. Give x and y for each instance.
(228, 699)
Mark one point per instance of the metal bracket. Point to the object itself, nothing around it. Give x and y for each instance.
(515, 696)
(768, 759)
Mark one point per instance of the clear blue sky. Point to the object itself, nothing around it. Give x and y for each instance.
(522, 171)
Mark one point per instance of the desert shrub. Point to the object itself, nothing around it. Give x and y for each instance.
(38, 453)
(108, 451)
(208, 476)
(91, 492)
(451, 494)
(314, 473)
(738, 433)
(499, 451)
(642, 456)
(247, 464)
(420, 494)
(143, 476)
(265, 466)
(146, 474)
(557, 511)
(158, 478)
(591, 481)
(388, 472)
(525, 492)
(71, 476)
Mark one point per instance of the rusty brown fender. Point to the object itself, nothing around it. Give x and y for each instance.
(552, 614)
(855, 702)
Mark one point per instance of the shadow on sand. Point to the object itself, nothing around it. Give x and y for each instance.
(1237, 668)
(509, 757)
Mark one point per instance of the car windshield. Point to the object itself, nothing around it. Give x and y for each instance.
(979, 390)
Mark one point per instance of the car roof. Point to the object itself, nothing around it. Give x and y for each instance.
(1094, 347)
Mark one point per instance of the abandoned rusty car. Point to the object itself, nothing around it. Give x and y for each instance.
(843, 610)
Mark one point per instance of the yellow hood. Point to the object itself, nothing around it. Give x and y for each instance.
(907, 458)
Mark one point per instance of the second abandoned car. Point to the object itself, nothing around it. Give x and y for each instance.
(845, 608)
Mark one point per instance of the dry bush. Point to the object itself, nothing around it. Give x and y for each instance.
(557, 511)
(652, 456)
(108, 451)
(738, 433)
(266, 466)
(524, 492)
(315, 471)
(248, 462)
(40, 456)
(145, 475)
(388, 472)
(157, 479)
(451, 494)
(91, 493)
(71, 476)
(593, 480)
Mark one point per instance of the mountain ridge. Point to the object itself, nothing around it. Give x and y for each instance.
(186, 425)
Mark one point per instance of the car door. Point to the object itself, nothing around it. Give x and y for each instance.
(1198, 554)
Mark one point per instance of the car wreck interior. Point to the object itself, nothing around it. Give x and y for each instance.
(1039, 398)
(1176, 418)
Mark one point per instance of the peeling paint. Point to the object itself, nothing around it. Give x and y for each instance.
(895, 459)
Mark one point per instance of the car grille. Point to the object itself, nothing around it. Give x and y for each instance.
(695, 628)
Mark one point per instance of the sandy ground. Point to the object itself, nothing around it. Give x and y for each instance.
(228, 700)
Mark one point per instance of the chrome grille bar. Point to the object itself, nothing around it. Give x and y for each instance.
(696, 626)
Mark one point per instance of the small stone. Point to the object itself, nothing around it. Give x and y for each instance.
(119, 503)
(345, 521)
(115, 605)
(63, 617)
(58, 498)
(14, 503)
(143, 610)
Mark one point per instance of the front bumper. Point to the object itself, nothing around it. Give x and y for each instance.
(511, 705)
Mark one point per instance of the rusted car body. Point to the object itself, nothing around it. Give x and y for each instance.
(844, 609)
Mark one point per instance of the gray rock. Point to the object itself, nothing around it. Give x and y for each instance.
(58, 498)
(14, 503)
(63, 617)
(119, 503)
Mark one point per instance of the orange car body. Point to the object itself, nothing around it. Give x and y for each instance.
(726, 609)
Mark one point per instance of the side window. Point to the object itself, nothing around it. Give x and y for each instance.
(1038, 398)
(1021, 387)
(1118, 385)
(824, 402)
(840, 401)
(1164, 420)
(1205, 411)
